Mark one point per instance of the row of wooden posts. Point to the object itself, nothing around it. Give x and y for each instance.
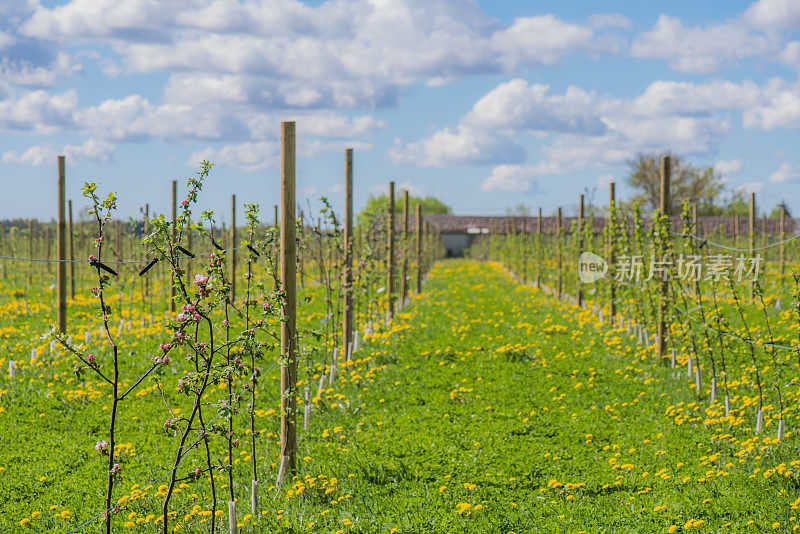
(288, 268)
(664, 208)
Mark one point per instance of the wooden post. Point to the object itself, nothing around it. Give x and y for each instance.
(62, 247)
(70, 230)
(288, 279)
(612, 286)
(347, 322)
(277, 220)
(118, 240)
(558, 245)
(666, 170)
(146, 232)
(390, 255)
(538, 249)
(580, 247)
(419, 248)
(403, 281)
(174, 238)
(696, 232)
(233, 249)
(30, 250)
(752, 229)
(780, 238)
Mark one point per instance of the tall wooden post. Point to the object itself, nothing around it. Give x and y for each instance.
(146, 232)
(174, 238)
(62, 247)
(347, 322)
(288, 279)
(580, 247)
(666, 170)
(559, 242)
(277, 220)
(403, 281)
(30, 250)
(390, 255)
(538, 249)
(780, 238)
(419, 248)
(70, 231)
(752, 231)
(612, 286)
(233, 249)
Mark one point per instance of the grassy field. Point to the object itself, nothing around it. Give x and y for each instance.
(487, 406)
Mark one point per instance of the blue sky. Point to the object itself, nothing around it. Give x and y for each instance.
(485, 105)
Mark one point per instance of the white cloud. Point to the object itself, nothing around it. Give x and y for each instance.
(728, 167)
(670, 97)
(591, 131)
(340, 54)
(780, 109)
(768, 14)
(462, 145)
(245, 156)
(790, 55)
(696, 48)
(786, 173)
(38, 112)
(510, 179)
(6, 39)
(91, 151)
(520, 106)
(540, 40)
(259, 155)
(25, 73)
(135, 118)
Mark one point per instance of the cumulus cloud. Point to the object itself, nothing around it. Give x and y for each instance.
(258, 155)
(510, 179)
(91, 151)
(339, 54)
(462, 145)
(768, 14)
(786, 173)
(780, 109)
(520, 106)
(726, 168)
(697, 48)
(38, 112)
(245, 156)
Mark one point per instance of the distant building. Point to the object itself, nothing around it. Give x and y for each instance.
(459, 231)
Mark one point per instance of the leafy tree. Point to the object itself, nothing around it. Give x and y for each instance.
(377, 206)
(776, 211)
(703, 187)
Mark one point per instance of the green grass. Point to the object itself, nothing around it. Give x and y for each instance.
(483, 393)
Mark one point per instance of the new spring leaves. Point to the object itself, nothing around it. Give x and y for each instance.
(592, 267)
